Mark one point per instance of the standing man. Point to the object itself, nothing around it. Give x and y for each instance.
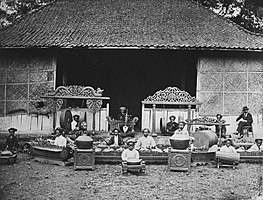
(245, 119)
(223, 127)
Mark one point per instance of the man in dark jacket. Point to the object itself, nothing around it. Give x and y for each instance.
(11, 143)
(172, 125)
(116, 138)
(245, 119)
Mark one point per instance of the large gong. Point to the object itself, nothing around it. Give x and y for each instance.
(65, 120)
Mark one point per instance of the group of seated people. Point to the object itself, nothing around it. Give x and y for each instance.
(146, 142)
(243, 120)
(229, 146)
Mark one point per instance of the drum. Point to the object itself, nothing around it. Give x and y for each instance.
(228, 157)
(205, 138)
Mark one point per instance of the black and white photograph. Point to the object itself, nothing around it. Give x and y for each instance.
(131, 99)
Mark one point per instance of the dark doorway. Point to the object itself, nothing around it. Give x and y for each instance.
(128, 76)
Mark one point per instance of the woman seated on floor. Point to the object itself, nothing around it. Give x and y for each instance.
(228, 147)
(257, 146)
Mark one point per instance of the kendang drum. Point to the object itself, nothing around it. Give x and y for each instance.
(224, 158)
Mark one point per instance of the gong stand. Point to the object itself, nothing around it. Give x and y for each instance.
(92, 97)
(169, 96)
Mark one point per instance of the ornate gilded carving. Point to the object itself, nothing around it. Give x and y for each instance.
(171, 94)
(94, 105)
(59, 104)
(76, 90)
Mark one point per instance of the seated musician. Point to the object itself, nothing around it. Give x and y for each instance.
(145, 142)
(228, 147)
(83, 130)
(130, 153)
(245, 119)
(122, 114)
(116, 139)
(60, 140)
(75, 124)
(69, 140)
(11, 143)
(223, 127)
(257, 146)
(181, 129)
(171, 126)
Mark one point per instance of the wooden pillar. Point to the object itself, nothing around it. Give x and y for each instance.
(142, 119)
(54, 113)
(189, 118)
(93, 121)
(107, 114)
(154, 119)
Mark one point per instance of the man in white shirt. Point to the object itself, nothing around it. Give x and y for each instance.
(145, 142)
(257, 146)
(130, 153)
(228, 148)
(75, 123)
(60, 140)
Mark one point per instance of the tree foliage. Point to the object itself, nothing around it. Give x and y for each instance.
(13, 9)
(243, 12)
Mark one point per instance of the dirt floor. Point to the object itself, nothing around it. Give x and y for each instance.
(28, 179)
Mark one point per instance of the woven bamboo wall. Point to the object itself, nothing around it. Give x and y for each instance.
(228, 81)
(226, 84)
(24, 76)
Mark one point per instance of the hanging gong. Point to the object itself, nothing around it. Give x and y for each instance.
(65, 120)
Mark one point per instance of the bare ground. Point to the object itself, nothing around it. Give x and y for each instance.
(28, 179)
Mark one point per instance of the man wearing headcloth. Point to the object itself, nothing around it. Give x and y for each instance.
(223, 127)
(171, 126)
(60, 140)
(130, 153)
(145, 142)
(75, 123)
(11, 143)
(122, 114)
(257, 146)
(228, 147)
(245, 119)
(181, 130)
(116, 139)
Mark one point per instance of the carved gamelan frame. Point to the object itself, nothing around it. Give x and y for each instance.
(169, 96)
(93, 98)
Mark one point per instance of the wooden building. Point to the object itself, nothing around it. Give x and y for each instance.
(131, 49)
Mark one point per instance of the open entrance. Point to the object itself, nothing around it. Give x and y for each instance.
(128, 76)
